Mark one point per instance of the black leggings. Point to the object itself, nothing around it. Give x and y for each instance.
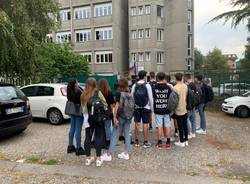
(99, 140)
(183, 128)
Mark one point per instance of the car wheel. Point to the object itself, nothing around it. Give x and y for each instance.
(55, 116)
(243, 112)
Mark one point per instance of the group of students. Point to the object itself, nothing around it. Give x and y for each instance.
(105, 117)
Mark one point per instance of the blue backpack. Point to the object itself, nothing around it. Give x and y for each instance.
(141, 95)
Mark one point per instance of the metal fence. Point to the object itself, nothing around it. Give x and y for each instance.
(224, 83)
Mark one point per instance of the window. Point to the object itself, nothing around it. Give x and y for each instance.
(140, 10)
(148, 56)
(189, 44)
(147, 9)
(65, 15)
(82, 13)
(103, 10)
(83, 36)
(133, 57)
(140, 33)
(160, 33)
(147, 33)
(140, 56)
(159, 11)
(63, 37)
(133, 11)
(133, 34)
(189, 64)
(45, 91)
(159, 57)
(104, 33)
(29, 91)
(190, 21)
(103, 57)
(88, 56)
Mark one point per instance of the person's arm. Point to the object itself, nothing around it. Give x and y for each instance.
(133, 90)
(116, 107)
(150, 97)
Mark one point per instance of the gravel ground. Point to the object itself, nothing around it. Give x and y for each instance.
(223, 152)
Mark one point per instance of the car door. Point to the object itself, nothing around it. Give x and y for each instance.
(45, 96)
(31, 93)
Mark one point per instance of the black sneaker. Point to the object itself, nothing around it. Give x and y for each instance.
(80, 151)
(137, 143)
(71, 149)
(146, 144)
(121, 138)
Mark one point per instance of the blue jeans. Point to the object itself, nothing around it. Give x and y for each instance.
(201, 109)
(191, 118)
(125, 126)
(75, 130)
(108, 129)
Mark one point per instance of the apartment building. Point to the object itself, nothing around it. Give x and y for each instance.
(161, 35)
(98, 29)
(154, 35)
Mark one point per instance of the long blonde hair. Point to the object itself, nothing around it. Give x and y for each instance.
(90, 88)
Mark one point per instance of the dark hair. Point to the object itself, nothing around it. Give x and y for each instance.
(178, 76)
(187, 76)
(104, 87)
(71, 89)
(142, 74)
(199, 77)
(123, 85)
(152, 75)
(168, 78)
(161, 76)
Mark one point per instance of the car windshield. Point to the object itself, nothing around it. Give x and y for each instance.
(247, 94)
(10, 93)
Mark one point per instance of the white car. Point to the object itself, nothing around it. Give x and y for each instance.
(47, 101)
(238, 105)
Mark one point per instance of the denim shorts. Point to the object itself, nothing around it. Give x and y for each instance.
(142, 114)
(162, 121)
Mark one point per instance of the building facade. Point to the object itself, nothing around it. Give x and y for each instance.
(231, 61)
(98, 29)
(161, 34)
(154, 35)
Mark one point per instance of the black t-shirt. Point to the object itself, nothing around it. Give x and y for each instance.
(161, 94)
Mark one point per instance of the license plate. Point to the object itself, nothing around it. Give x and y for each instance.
(14, 110)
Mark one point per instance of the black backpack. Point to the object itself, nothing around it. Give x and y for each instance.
(141, 95)
(190, 99)
(98, 112)
(210, 93)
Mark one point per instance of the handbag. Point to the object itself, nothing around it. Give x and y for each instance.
(73, 109)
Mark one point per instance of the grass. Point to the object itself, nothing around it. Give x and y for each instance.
(192, 173)
(246, 178)
(38, 160)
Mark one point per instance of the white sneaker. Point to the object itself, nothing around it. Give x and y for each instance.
(123, 156)
(193, 135)
(180, 144)
(186, 143)
(201, 131)
(98, 163)
(190, 136)
(106, 158)
(172, 139)
(89, 161)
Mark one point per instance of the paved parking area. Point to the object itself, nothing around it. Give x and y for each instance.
(222, 153)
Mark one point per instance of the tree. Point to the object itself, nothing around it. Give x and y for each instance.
(245, 62)
(198, 59)
(23, 27)
(216, 61)
(237, 16)
(55, 61)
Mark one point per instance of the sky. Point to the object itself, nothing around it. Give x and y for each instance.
(215, 34)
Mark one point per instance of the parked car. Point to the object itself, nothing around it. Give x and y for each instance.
(238, 105)
(231, 89)
(47, 101)
(15, 115)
